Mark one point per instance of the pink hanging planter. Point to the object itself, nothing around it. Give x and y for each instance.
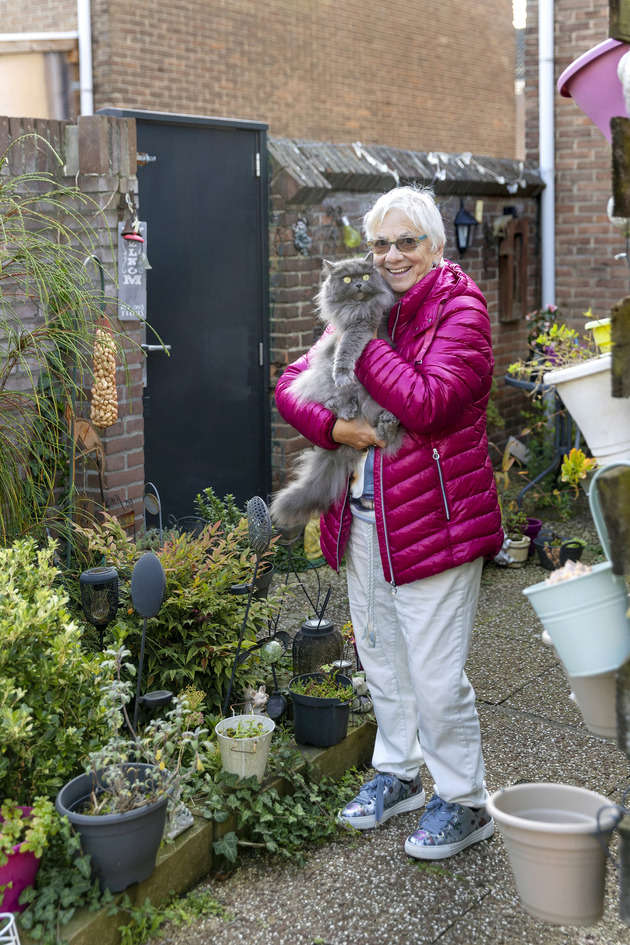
(593, 84)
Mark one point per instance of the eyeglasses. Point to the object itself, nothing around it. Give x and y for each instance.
(406, 244)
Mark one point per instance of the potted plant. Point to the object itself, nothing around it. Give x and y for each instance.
(119, 806)
(321, 707)
(582, 379)
(244, 743)
(601, 329)
(24, 834)
(515, 523)
(584, 609)
(555, 550)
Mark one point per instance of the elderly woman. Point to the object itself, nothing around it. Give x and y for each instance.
(415, 528)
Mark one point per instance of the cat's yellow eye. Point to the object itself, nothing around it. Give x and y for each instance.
(366, 277)
(347, 279)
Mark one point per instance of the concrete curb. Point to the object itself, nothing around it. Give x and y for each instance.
(185, 862)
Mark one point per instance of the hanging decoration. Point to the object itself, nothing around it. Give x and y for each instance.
(104, 408)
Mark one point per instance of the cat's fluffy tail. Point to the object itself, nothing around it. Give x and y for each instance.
(320, 477)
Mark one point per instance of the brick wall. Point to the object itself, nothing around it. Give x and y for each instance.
(99, 157)
(587, 275)
(330, 70)
(295, 279)
(19, 16)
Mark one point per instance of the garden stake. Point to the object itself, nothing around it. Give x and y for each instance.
(259, 525)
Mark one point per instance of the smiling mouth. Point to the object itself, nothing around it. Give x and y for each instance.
(397, 272)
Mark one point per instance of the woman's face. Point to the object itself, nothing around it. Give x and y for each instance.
(403, 270)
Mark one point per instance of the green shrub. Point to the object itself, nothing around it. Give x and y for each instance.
(192, 640)
(50, 708)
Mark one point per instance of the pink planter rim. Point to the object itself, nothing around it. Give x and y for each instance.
(584, 60)
(592, 82)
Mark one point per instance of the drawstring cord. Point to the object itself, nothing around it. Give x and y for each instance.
(369, 634)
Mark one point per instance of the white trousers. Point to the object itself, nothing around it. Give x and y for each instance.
(413, 643)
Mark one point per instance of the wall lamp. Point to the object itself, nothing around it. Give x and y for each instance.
(465, 226)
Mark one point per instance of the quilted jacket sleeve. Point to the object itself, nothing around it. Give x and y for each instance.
(312, 420)
(430, 394)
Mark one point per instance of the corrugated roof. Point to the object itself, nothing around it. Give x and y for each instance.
(317, 167)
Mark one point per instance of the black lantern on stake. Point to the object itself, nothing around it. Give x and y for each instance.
(99, 597)
(465, 226)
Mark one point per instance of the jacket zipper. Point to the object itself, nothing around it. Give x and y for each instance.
(392, 582)
(338, 543)
(396, 320)
(436, 457)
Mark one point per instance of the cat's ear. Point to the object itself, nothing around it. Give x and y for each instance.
(369, 255)
(327, 266)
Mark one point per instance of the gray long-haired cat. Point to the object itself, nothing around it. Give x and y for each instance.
(354, 300)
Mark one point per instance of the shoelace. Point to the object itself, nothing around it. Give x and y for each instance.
(437, 813)
(375, 790)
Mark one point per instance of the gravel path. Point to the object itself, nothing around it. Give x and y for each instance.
(366, 891)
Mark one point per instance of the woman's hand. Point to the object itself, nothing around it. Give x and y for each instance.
(357, 433)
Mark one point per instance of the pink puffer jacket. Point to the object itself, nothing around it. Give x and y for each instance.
(435, 500)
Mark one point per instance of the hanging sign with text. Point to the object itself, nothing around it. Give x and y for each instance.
(132, 275)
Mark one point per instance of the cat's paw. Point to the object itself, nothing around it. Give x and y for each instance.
(387, 426)
(343, 378)
(349, 409)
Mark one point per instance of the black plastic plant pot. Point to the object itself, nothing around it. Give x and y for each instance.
(317, 721)
(123, 847)
(555, 556)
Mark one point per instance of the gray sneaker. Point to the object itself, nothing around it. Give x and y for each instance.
(380, 799)
(447, 829)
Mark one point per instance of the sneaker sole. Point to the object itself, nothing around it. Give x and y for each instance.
(449, 849)
(402, 807)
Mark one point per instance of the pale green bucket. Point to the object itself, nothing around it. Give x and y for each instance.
(586, 616)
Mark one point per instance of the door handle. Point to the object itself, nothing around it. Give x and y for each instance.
(148, 348)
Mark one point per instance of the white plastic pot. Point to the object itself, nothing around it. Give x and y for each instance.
(595, 698)
(604, 420)
(246, 757)
(556, 836)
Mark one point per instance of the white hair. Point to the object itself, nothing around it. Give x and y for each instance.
(417, 203)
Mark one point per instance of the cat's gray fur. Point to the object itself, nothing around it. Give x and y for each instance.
(354, 309)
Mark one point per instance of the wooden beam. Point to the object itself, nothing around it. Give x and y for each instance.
(619, 20)
(620, 334)
(620, 128)
(613, 491)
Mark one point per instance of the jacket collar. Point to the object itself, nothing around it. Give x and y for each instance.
(431, 288)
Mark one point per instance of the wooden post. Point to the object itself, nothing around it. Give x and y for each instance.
(619, 20)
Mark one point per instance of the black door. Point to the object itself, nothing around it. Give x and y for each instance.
(206, 409)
